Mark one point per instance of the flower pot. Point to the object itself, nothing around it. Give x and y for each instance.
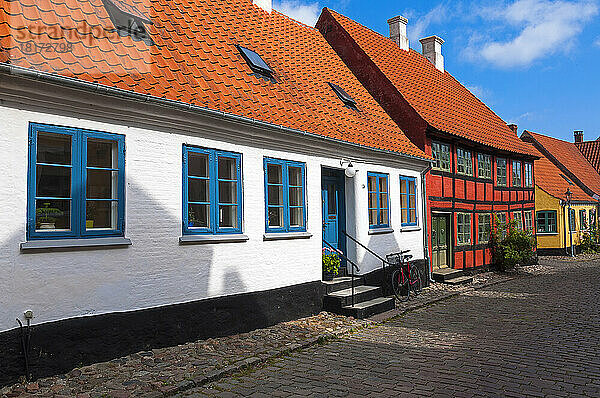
(329, 276)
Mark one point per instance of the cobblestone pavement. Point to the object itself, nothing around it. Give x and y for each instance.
(533, 336)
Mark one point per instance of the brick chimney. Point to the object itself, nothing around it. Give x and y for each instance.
(266, 5)
(398, 31)
(578, 134)
(432, 50)
(514, 128)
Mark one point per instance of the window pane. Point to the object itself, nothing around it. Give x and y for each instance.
(412, 202)
(402, 186)
(102, 184)
(383, 200)
(198, 216)
(52, 215)
(383, 216)
(274, 174)
(101, 214)
(405, 216)
(101, 153)
(53, 181)
(228, 217)
(373, 217)
(372, 182)
(295, 176)
(227, 192)
(411, 187)
(296, 217)
(275, 195)
(54, 148)
(404, 201)
(198, 190)
(275, 216)
(382, 184)
(197, 164)
(296, 197)
(372, 200)
(227, 168)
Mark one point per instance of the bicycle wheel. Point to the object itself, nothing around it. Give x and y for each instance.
(400, 285)
(415, 280)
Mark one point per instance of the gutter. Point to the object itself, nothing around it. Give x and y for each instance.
(425, 224)
(150, 99)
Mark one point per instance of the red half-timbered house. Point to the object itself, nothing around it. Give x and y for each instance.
(481, 166)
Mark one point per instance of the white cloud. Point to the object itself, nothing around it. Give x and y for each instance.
(417, 29)
(482, 93)
(545, 27)
(521, 118)
(307, 13)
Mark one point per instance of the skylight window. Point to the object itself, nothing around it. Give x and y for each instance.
(128, 20)
(343, 95)
(256, 63)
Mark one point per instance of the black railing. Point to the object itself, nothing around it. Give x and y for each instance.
(384, 262)
(354, 266)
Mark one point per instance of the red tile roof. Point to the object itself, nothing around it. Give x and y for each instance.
(566, 154)
(591, 150)
(195, 61)
(554, 182)
(437, 97)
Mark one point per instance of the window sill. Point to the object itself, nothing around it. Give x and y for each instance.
(547, 233)
(410, 228)
(381, 231)
(50, 244)
(208, 239)
(287, 236)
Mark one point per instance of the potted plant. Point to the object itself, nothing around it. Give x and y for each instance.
(331, 264)
(46, 216)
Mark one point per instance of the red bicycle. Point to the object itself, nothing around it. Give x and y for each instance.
(404, 277)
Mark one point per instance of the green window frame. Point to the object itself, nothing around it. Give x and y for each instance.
(464, 162)
(484, 227)
(484, 166)
(441, 156)
(501, 172)
(516, 173)
(546, 221)
(463, 229)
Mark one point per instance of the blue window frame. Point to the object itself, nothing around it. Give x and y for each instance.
(212, 191)
(75, 183)
(285, 196)
(408, 200)
(379, 209)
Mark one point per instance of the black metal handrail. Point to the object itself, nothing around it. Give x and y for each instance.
(354, 266)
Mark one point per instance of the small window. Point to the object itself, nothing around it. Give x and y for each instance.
(464, 162)
(76, 183)
(484, 227)
(501, 223)
(572, 220)
(484, 166)
(441, 156)
(583, 219)
(516, 173)
(212, 191)
(518, 219)
(592, 214)
(379, 213)
(408, 200)
(285, 196)
(501, 172)
(463, 229)
(343, 95)
(546, 222)
(128, 20)
(256, 63)
(528, 220)
(528, 171)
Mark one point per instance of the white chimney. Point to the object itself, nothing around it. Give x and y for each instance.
(398, 31)
(432, 50)
(266, 5)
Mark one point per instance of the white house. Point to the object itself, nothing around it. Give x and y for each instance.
(170, 170)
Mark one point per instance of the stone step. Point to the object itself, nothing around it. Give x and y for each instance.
(369, 308)
(461, 280)
(342, 283)
(446, 274)
(334, 301)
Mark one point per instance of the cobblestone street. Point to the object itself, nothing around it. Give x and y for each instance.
(532, 336)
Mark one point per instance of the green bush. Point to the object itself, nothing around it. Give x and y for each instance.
(331, 262)
(511, 246)
(590, 241)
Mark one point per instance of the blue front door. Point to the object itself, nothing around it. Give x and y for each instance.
(331, 216)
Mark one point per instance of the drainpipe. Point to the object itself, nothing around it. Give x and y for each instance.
(565, 227)
(425, 218)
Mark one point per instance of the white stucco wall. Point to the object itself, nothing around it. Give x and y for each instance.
(156, 270)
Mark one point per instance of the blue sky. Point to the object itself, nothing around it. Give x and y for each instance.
(534, 62)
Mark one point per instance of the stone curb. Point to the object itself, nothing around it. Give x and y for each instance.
(254, 361)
